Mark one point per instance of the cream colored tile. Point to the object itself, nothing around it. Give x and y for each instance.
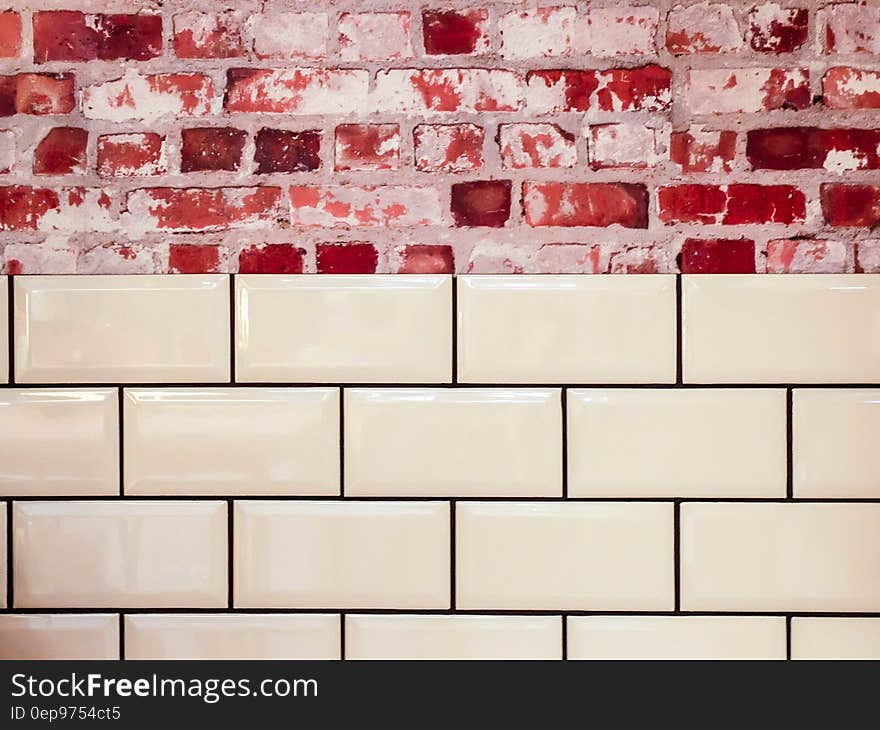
(4, 329)
(836, 441)
(835, 638)
(566, 329)
(314, 554)
(453, 637)
(676, 637)
(364, 329)
(476, 442)
(112, 329)
(59, 441)
(120, 554)
(780, 557)
(213, 441)
(564, 555)
(232, 636)
(676, 442)
(4, 558)
(62, 636)
(791, 328)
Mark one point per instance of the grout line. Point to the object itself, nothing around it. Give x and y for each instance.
(789, 445)
(122, 636)
(10, 585)
(342, 442)
(230, 555)
(452, 555)
(454, 329)
(564, 402)
(564, 636)
(439, 385)
(677, 553)
(679, 354)
(10, 322)
(342, 635)
(788, 637)
(232, 329)
(120, 395)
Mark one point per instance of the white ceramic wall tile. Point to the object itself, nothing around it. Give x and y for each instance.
(836, 442)
(835, 638)
(213, 441)
(61, 636)
(59, 441)
(791, 328)
(120, 554)
(453, 637)
(780, 557)
(332, 329)
(314, 554)
(122, 329)
(566, 329)
(475, 442)
(676, 637)
(4, 568)
(4, 329)
(232, 636)
(676, 443)
(558, 555)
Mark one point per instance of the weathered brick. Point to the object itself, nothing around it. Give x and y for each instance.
(808, 256)
(290, 35)
(850, 27)
(194, 258)
(489, 257)
(795, 148)
(7, 150)
(349, 206)
(425, 259)
(851, 88)
(296, 90)
(731, 204)
(121, 258)
(775, 29)
(271, 258)
(703, 150)
(454, 32)
(718, 256)
(48, 257)
(10, 34)
(525, 145)
(703, 28)
(76, 209)
(150, 97)
(850, 205)
(281, 150)
(130, 155)
(585, 204)
(68, 35)
(867, 257)
(727, 91)
(374, 36)
(208, 35)
(647, 88)
(211, 149)
(618, 31)
(447, 90)
(62, 152)
(632, 145)
(346, 258)
(38, 94)
(570, 258)
(641, 259)
(481, 203)
(536, 32)
(448, 147)
(367, 147)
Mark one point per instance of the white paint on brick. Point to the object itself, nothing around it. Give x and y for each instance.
(537, 32)
(289, 35)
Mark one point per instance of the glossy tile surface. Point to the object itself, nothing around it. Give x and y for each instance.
(120, 554)
(59, 441)
(332, 329)
(4, 558)
(534, 555)
(792, 328)
(453, 637)
(676, 637)
(835, 638)
(232, 636)
(213, 441)
(122, 329)
(676, 443)
(566, 329)
(474, 442)
(4, 329)
(313, 554)
(836, 442)
(59, 636)
(780, 557)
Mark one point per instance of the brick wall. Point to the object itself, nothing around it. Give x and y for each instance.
(151, 137)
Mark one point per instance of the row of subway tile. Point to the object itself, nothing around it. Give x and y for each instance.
(400, 329)
(412, 636)
(437, 442)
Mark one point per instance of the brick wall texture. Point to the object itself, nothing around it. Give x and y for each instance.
(187, 136)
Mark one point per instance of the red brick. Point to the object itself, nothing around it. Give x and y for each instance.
(127, 155)
(21, 208)
(448, 147)
(211, 149)
(67, 35)
(408, 90)
(585, 204)
(647, 88)
(151, 97)
(193, 258)
(374, 36)
(731, 204)
(208, 35)
(426, 259)
(10, 34)
(702, 150)
(795, 148)
(61, 152)
(453, 32)
(348, 206)
(296, 91)
(346, 258)
(71, 210)
(203, 209)
(280, 150)
(730, 91)
(536, 145)
(641, 259)
(808, 256)
(718, 256)
(367, 147)
(271, 258)
(850, 27)
(850, 205)
(774, 29)
(38, 94)
(481, 203)
(851, 88)
(703, 28)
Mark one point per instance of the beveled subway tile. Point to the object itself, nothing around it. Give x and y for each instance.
(59, 441)
(791, 328)
(564, 555)
(676, 637)
(122, 329)
(835, 637)
(317, 554)
(4, 558)
(331, 329)
(4, 329)
(836, 442)
(438, 442)
(131, 554)
(780, 557)
(566, 329)
(229, 441)
(676, 443)
(452, 637)
(59, 636)
(232, 636)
